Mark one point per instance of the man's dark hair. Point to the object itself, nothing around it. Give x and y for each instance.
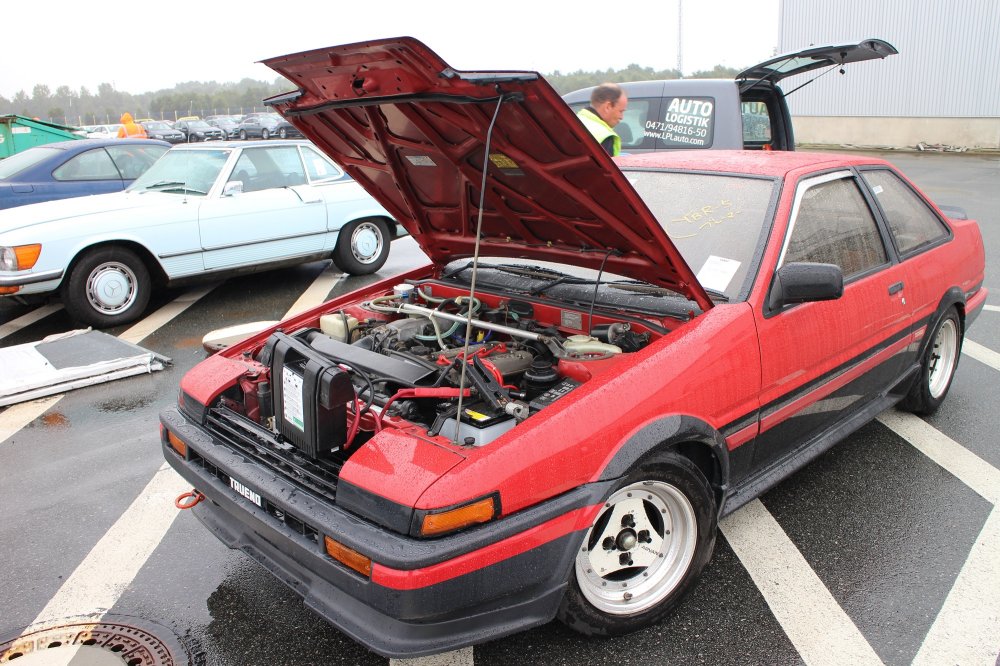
(606, 92)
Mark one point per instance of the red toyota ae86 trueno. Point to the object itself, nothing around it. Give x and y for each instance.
(602, 359)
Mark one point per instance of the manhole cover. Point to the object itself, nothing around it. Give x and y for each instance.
(96, 643)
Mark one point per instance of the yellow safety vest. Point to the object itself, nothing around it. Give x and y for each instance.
(600, 129)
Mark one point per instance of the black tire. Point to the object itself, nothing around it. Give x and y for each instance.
(937, 367)
(192, 138)
(645, 550)
(243, 135)
(362, 246)
(106, 287)
(282, 133)
(265, 134)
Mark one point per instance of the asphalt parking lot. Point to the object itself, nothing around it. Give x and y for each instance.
(886, 550)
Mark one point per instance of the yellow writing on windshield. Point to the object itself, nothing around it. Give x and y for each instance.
(696, 219)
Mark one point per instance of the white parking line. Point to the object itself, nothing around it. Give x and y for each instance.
(111, 565)
(317, 291)
(992, 308)
(28, 319)
(981, 353)
(16, 417)
(969, 468)
(817, 626)
(461, 657)
(967, 628)
(148, 325)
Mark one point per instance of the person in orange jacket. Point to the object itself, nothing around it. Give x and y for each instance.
(130, 129)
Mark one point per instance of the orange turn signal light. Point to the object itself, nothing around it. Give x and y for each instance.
(348, 557)
(479, 511)
(27, 255)
(178, 446)
(9, 290)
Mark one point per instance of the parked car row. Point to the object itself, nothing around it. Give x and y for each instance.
(205, 210)
(192, 129)
(75, 168)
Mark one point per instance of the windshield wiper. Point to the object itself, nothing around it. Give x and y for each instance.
(173, 186)
(565, 279)
(717, 295)
(536, 272)
(164, 184)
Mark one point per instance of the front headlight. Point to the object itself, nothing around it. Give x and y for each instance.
(19, 258)
(8, 261)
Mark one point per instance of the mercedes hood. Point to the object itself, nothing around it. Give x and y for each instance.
(418, 135)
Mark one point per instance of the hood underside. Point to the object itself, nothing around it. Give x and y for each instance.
(413, 132)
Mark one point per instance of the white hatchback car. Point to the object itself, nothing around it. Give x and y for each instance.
(201, 211)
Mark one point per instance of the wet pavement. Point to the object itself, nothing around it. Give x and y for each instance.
(886, 529)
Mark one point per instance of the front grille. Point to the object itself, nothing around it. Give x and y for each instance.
(259, 445)
(293, 523)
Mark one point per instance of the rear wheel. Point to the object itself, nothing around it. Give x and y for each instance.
(362, 247)
(283, 133)
(937, 369)
(265, 134)
(107, 287)
(645, 550)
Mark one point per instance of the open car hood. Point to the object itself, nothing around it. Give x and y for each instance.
(814, 57)
(412, 131)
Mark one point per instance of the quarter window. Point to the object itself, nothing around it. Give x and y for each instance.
(834, 225)
(756, 124)
(912, 223)
(265, 168)
(633, 127)
(132, 160)
(318, 166)
(92, 165)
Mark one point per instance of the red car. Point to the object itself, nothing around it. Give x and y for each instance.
(602, 359)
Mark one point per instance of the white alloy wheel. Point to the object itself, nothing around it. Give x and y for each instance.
(943, 356)
(639, 549)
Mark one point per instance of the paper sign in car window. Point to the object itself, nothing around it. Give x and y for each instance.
(717, 273)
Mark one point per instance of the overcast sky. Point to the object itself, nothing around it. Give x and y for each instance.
(130, 46)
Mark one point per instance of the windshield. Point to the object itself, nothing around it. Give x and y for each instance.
(183, 172)
(156, 126)
(199, 124)
(18, 162)
(717, 222)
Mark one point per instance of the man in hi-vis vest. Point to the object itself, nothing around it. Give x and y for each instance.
(131, 129)
(607, 106)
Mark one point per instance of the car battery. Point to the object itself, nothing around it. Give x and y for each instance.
(310, 394)
(480, 424)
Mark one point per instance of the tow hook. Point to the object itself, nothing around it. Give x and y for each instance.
(189, 499)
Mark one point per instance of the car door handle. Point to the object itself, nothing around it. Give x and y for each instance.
(895, 288)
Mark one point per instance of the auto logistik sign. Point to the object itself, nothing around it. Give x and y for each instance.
(687, 123)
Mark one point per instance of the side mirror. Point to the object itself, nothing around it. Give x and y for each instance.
(805, 283)
(232, 187)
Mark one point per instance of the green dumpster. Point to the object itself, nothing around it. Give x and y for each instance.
(18, 133)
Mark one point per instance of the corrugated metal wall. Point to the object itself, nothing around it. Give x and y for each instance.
(948, 63)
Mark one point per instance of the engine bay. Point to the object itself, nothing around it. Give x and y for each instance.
(427, 356)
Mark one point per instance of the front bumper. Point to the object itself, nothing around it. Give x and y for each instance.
(424, 596)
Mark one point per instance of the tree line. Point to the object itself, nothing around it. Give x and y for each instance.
(68, 106)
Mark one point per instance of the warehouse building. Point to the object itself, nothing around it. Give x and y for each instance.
(941, 90)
